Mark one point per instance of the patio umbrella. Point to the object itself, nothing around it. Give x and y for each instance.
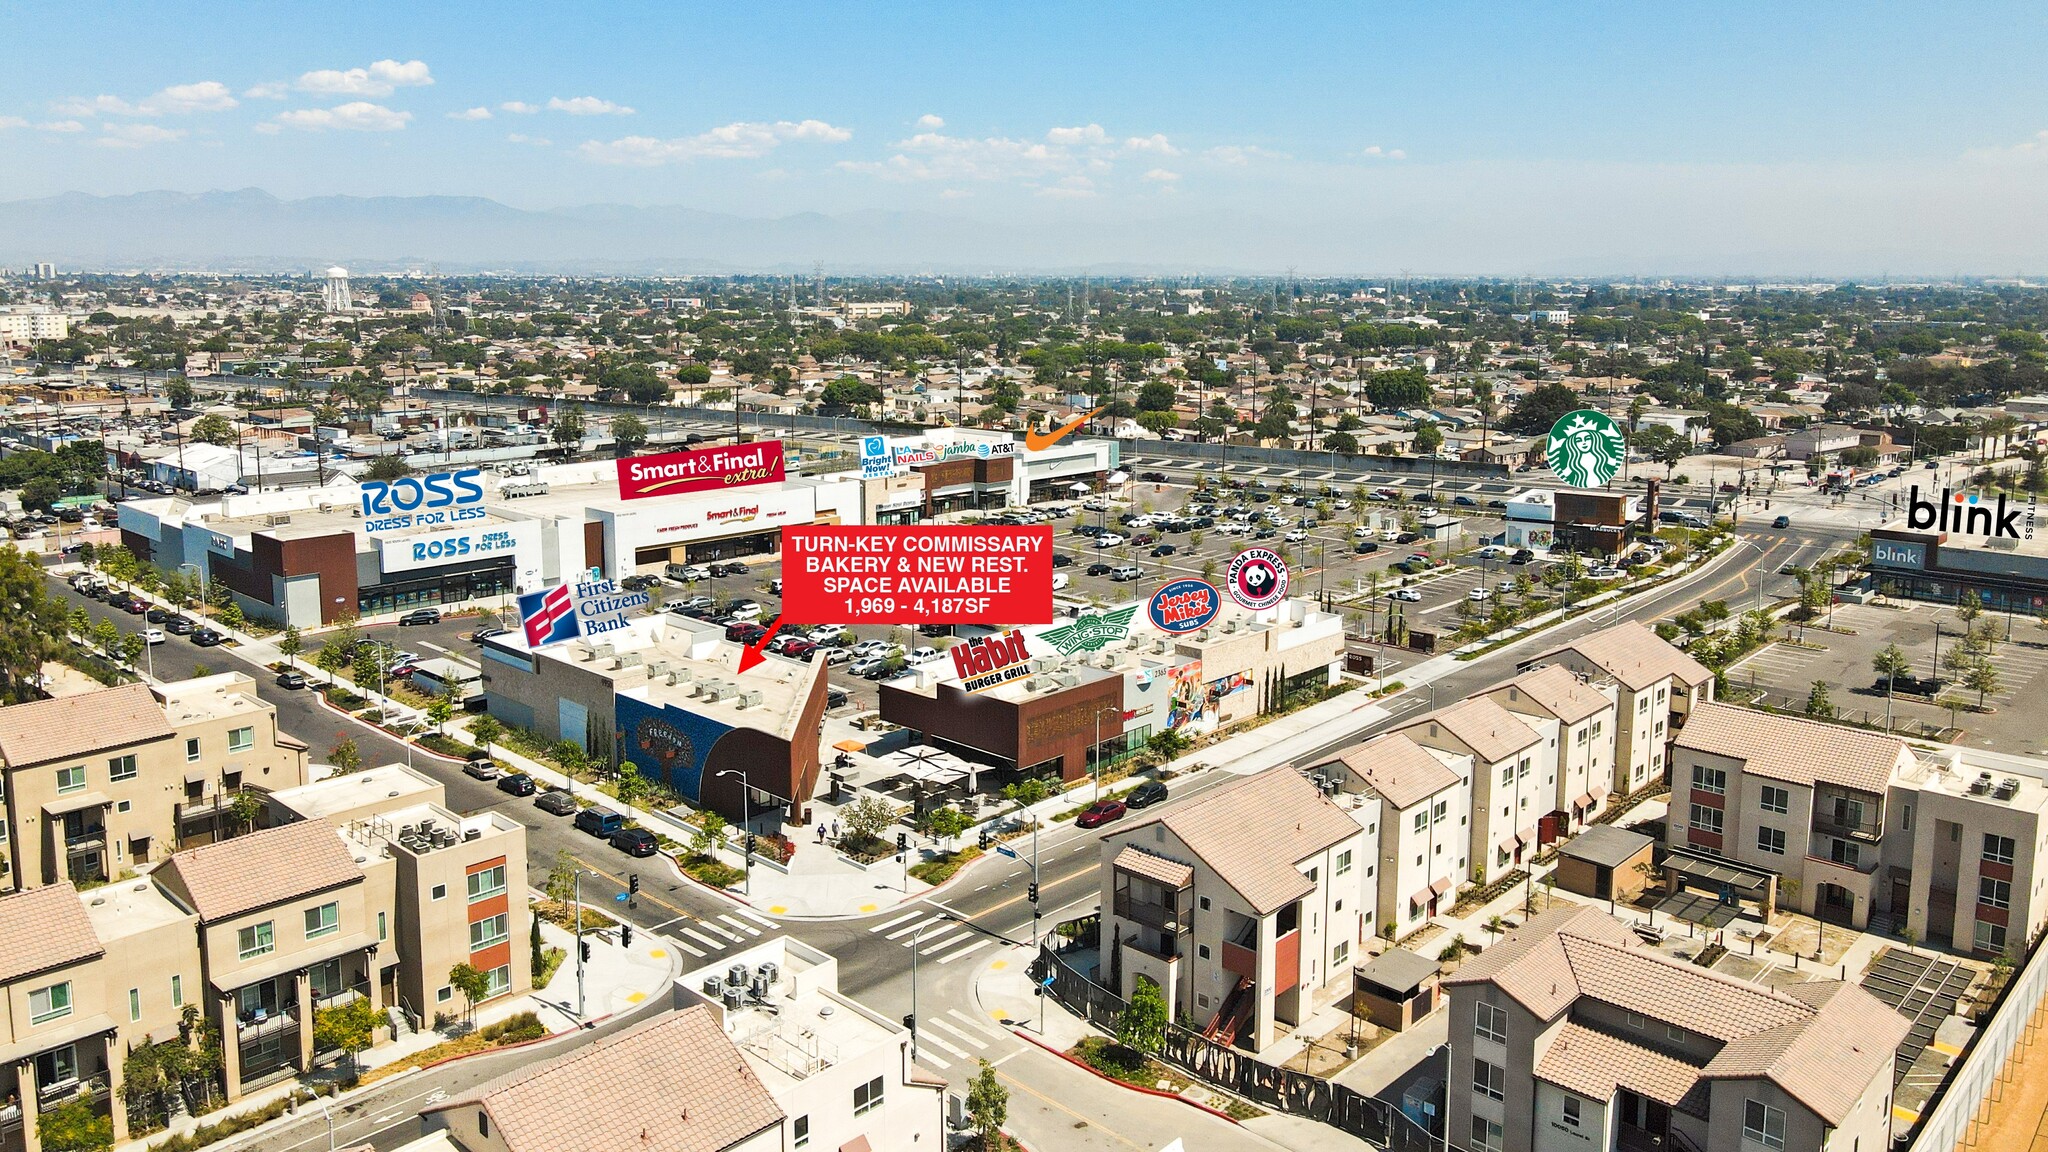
(850, 746)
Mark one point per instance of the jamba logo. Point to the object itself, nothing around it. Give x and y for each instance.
(1964, 512)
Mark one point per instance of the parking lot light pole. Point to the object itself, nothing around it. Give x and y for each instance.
(746, 827)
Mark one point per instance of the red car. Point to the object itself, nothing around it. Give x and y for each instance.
(798, 649)
(1101, 812)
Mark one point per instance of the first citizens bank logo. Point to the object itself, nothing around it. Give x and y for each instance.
(566, 611)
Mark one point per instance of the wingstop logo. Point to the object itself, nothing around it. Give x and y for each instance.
(1963, 512)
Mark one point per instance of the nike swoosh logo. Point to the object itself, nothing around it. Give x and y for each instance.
(1040, 441)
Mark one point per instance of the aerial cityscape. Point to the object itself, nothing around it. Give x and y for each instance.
(689, 582)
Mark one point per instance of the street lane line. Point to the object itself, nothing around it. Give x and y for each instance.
(899, 920)
(714, 945)
(974, 947)
(742, 925)
(955, 1032)
(925, 1036)
(750, 914)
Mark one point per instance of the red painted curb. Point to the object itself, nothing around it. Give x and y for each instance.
(1084, 1066)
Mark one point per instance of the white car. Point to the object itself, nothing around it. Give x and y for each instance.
(1060, 580)
(874, 648)
(1604, 572)
(153, 636)
(1479, 595)
(1342, 505)
(1109, 540)
(1362, 533)
(825, 633)
(922, 656)
(746, 610)
(1139, 521)
(1407, 595)
(1504, 587)
(866, 665)
(1492, 552)
(1295, 537)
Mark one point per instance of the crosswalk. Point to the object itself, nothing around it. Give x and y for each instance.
(943, 1038)
(936, 937)
(704, 938)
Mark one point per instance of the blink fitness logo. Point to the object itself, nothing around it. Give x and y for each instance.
(1964, 512)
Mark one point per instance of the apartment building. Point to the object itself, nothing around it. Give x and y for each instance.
(1583, 709)
(103, 782)
(1511, 756)
(1569, 1034)
(1240, 903)
(1657, 686)
(762, 1055)
(1417, 839)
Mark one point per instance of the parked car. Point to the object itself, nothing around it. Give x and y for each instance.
(291, 679)
(744, 632)
(420, 616)
(1145, 795)
(639, 582)
(876, 648)
(517, 783)
(635, 842)
(922, 656)
(866, 665)
(1127, 572)
(136, 606)
(826, 634)
(179, 626)
(1062, 560)
(745, 610)
(152, 635)
(1165, 550)
(481, 768)
(836, 697)
(207, 638)
(1604, 572)
(1465, 501)
(1109, 540)
(157, 614)
(555, 802)
(485, 633)
(1521, 556)
(799, 649)
(1479, 595)
(830, 653)
(599, 822)
(1060, 580)
(1099, 813)
(1405, 595)
(1367, 547)
(1100, 568)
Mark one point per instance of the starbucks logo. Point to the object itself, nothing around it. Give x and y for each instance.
(1586, 448)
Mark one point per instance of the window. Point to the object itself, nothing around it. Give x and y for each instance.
(1771, 840)
(52, 1003)
(192, 750)
(57, 1067)
(1706, 779)
(382, 933)
(134, 1004)
(1343, 864)
(1642, 704)
(483, 1122)
(487, 883)
(488, 931)
(1777, 800)
(440, 892)
(177, 991)
(255, 940)
(1706, 819)
(1998, 849)
(1571, 1111)
(1486, 1135)
(71, 779)
(1340, 953)
(1581, 736)
(500, 981)
(446, 993)
(1990, 937)
(800, 1132)
(1489, 1079)
(1202, 951)
(1905, 817)
(1637, 1022)
(121, 768)
(241, 739)
(1844, 853)
(1490, 1022)
(867, 1097)
(1996, 893)
(1597, 725)
(124, 805)
(1205, 903)
(1674, 1033)
(1507, 774)
(323, 921)
(1522, 769)
(1763, 1124)
(1422, 821)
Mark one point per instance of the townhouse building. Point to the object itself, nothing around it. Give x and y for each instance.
(1509, 794)
(1418, 840)
(1569, 1034)
(101, 783)
(1241, 903)
(1583, 709)
(1656, 687)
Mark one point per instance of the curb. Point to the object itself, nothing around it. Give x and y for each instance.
(1083, 1065)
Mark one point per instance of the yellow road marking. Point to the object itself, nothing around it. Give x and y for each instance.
(589, 867)
(1905, 1115)
(867, 907)
(777, 909)
(636, 997)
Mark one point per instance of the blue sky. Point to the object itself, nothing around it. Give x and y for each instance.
(1463, 136)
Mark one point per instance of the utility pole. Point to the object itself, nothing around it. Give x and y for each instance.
(578, 900)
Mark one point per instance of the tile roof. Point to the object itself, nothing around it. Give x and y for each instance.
(1561, 692)
(44, 928)
(260, 869)
(1827, 1062)
(67, 726)
(1593, 1064)
(691, 1091)
(1636, 656)
(1794, 749)
(1254, 830)
(1491, 731)
(1139, 862)
(1399, 769)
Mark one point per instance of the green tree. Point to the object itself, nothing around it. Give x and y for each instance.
(472, 983)
(245, 809)
(31, 627)
(709, 835)
(389, 466)
(485, 730)
(1534, 413)
(867, 818)
(1981, 677)
(629, 432)
(291, 643)
(988, 1107)
(349, 1026)
(944, 822)
(439, 710)
(561, 881)
(1891, 663)
(1428, 437)
(1141, 1026)
(630, 785)
(41, 493)
(178, 391)
(1818, 705)
(75, 1126)
(568, 429)
(132, 645)
(105, 636)
(345, 756)
(214, 428)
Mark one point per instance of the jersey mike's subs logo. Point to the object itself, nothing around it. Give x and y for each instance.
(1184, 606)
(701, 469)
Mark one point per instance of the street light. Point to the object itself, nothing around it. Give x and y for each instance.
(746, 827)
(915, 939)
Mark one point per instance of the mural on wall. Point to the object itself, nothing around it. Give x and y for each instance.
(1229, 685)
(1185, 699)
(667, 744)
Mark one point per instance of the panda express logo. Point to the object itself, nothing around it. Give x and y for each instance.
(989, 661)
(1965, 513)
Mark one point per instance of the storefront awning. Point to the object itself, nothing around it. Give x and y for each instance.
(1119, 477)
(1079, 488)
(1441, 886)
(1585, 800)
(1599, 792)
(1508, 843)
(79, 803)
(1422, 895)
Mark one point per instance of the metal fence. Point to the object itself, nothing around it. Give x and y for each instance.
(1950, 1122)
(1240, 1074)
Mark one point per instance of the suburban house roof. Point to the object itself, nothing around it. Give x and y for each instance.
(1634, 655)
(1492, 732)
(1400, 770)
(1252, 832)
(1606, 845)
(690, 1091)
(66, 726)
(1593, 1064)
(44, 928)
(1559, 691)
(1139, 862)
(1823, 1044)
(1793, 749)
(260, 869)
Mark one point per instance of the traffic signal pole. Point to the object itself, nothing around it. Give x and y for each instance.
(578, 900)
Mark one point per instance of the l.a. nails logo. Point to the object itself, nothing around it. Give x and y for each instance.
(1964, 512)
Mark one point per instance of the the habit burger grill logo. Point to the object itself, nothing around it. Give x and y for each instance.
(991, 660)
(1963, 512)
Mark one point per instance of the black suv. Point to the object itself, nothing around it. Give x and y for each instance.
(635, 842)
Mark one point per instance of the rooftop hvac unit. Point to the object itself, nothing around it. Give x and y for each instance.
(735, 997)
(1066, 680)
(1230, 625)
(2008, 788)
(277, 518)
(1981, 784)
(1132, 644)
(1159, 647)
(602, 649)
(631, 659)
(736, 975)
(750, 699)
(1044, 663)
(326, 507)
(656, 668)
(713, 986)
(768, 969)
(1033, 683)
(586, 654)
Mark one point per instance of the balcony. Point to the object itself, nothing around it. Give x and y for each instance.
(1164, 917)
(1240, 960)
(1848, 814)
(1286, 961)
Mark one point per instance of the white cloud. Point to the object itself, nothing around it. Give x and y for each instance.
(1162, 176)
(1240, 154)
(176, 100)
(136, 135)
(519, 107)
(477, 113)
(536, 141)
(9, 123)
(737, 141)
(96, 106)
(954, 193)
(587, 106)
(61, 126)
(1070, 188)
(1156, 142)
(379, 79)
(2032, 147)
(930, 121)
(355, 116)
(1086, 134)
(1378, 153)
(273, 90)
(1065, 152)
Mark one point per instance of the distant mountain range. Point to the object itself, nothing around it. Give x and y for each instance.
(253, 231)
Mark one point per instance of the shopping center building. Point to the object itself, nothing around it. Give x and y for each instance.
(2001, 572)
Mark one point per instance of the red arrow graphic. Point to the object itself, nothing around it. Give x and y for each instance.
(752, 654)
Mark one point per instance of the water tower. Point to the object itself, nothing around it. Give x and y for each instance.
(335, 290)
